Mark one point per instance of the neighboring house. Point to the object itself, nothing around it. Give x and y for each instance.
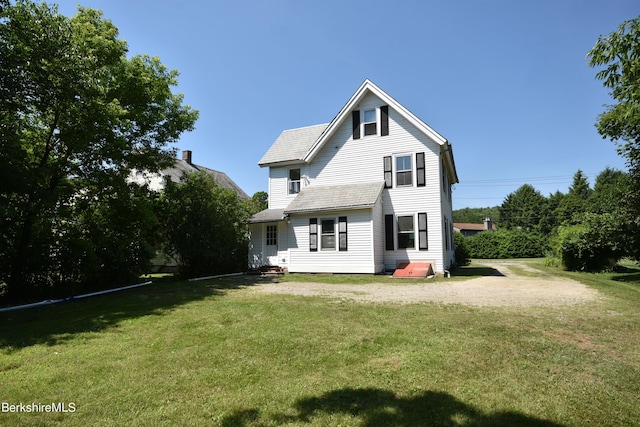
(468, 229)
(183, 167)
(156, 181)
(362, 194)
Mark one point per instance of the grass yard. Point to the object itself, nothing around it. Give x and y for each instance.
(212, 353)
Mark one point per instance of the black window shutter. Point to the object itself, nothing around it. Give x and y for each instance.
(355, 118)
(313, 234)
(423, 243)
(342, 233)
(388, 233)
(384, 120)
(388, 174)
(446, 233)
(421, 178)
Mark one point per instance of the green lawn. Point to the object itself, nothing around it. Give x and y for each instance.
(214, 353)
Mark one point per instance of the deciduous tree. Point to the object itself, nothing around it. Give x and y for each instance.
(619, 54)
(76, 116)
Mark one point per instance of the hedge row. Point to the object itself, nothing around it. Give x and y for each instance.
(506, 244)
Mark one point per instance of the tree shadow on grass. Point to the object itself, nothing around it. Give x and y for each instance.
(373, 407)
(479, 271)
(627, 275)
(57, 323)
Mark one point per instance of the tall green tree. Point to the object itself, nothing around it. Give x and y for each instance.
(76, 116)
(609, 192)
(258, 202)
(205, 226)
(580, 186)
(525, 208)
(619, 55)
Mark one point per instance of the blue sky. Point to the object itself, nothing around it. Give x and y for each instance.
(505, 81)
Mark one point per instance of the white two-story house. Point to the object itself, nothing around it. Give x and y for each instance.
(362, 194)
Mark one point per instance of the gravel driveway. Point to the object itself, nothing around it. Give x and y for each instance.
(506, 288)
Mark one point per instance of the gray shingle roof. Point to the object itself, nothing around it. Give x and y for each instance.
(181, 168)
(267, 215)
(292, 144)
(336, 197)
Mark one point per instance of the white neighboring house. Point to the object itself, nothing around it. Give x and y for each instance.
(362, 194)
(181, 168)
(163, 262)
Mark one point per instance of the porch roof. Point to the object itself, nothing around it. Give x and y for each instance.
(267, 215)
(336, 197)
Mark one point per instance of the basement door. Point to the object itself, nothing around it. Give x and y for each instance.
(271, 245)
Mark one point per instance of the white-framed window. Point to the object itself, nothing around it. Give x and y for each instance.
(406, 232)
(370, 122)
(272, 235)
(328, 234)
(294, 181)
(332, 233)
(404, 170)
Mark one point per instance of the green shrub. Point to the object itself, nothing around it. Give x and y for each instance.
(506, 244)
(596, 244)
(484, 245)
(462, 253)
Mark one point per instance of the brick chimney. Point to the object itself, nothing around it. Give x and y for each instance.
(487, 224)
(186, 156)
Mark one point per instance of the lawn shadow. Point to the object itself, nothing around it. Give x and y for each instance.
(627, 275)
(476, 271)
(57, 323)
(374, 407)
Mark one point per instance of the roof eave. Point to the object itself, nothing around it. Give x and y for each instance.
(281, 163)
(331, 209)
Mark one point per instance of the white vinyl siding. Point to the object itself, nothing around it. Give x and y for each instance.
(260, 238)
(279, 185)
(359, 258)
(343, 160)
(255, 246)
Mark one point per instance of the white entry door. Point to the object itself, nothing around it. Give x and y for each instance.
(271, 244)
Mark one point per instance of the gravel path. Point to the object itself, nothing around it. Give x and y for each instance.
(506, 288)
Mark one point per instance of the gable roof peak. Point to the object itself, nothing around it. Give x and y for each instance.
(360, 93)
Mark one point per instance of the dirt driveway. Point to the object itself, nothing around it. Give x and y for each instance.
(514, 284)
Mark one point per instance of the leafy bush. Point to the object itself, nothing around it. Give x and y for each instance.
(204, 226)
(462, 253)
(596, 244)
(484, 245)
(506, 244)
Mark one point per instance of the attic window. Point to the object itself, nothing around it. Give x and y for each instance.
(370, 122)
(366, 122)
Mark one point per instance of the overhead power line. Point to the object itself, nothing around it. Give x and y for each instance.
(550, 179)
